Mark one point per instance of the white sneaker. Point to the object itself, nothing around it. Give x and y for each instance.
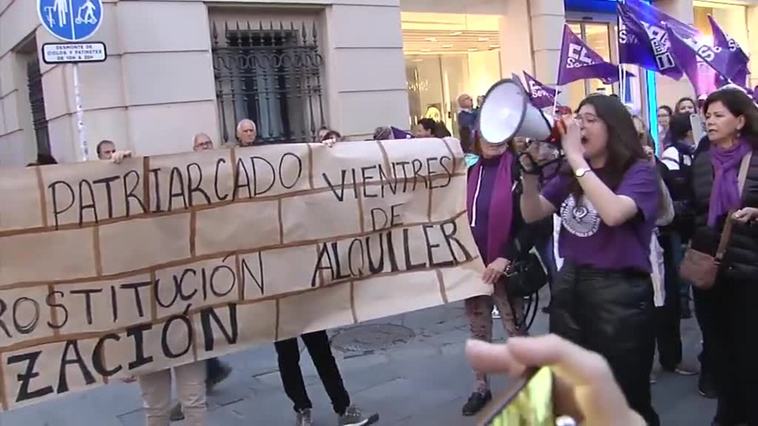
(354, 417)
(303, 417)
(495, 313)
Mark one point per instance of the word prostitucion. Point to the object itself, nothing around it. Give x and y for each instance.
(111, 270)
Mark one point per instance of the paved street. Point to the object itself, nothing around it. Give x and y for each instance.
(420, 381)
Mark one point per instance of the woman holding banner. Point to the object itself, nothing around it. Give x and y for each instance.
(607, 196)
(501, 235)
(190, 387)
(156, 387)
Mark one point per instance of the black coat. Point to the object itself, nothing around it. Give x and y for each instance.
(741, 259)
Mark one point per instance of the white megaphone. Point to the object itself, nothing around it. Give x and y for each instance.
(507, 113)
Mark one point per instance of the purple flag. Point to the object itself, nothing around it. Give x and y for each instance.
(541, 95)
(655, 23)
(643, 44)
(400, 134)
(737, 60)
(659, 27)
(716, 58)
(654, 20)
(579, 62)
(702, 75)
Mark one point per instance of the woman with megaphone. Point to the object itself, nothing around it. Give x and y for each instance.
(607, 197)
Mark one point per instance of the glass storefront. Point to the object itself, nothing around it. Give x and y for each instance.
(446, 55)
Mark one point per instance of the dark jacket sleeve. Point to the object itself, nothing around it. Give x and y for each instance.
(524, 235)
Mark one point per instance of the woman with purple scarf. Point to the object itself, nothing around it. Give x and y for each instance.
(501, 236)
(728, 312)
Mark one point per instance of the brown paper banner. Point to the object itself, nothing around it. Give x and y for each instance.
(109, 271)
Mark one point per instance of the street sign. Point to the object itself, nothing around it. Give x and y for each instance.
(72, 53)
(71, 20)
(75, 21)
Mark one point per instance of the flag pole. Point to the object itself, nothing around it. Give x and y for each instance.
(622, 86)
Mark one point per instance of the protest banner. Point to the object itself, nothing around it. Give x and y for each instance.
(110, 271)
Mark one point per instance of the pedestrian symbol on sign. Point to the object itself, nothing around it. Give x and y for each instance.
(71, 20)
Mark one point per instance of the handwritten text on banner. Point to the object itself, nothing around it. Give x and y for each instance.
(109, 271)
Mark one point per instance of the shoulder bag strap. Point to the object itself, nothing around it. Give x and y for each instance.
(744, 168)
(726, 235)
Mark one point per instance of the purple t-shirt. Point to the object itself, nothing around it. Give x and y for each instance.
(586, 241)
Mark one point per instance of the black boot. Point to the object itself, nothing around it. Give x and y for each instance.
(684, 311)
(706, 386)
(476, 402)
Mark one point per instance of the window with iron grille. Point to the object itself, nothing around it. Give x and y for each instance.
(271, 73)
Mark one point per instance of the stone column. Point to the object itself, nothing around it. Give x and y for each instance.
(515, 39)
(365, 67)
(547, 20)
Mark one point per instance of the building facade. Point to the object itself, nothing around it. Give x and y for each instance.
(177, 68)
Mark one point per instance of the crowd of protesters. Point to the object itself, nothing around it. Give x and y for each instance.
(613, 223)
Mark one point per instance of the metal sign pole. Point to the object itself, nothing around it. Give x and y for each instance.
(83, 147)
(73, 21)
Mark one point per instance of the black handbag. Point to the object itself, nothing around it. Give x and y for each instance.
(525, 276)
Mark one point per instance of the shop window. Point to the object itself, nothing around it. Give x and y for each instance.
(447, 55)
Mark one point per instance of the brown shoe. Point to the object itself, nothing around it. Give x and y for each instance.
(176, 413)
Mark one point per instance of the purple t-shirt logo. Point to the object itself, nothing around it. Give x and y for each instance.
(580, 218)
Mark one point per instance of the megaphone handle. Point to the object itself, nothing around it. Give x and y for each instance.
(533, 169)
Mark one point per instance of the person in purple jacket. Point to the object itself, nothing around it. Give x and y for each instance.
(501, 237)
(607, 196)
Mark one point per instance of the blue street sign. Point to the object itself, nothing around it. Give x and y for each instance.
(71, 20)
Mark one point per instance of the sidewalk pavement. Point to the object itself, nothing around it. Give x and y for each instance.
(410, 368)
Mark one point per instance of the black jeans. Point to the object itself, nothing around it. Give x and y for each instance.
(318, 347)
(611, 313)
(705, 313)
(732, 346)
(213, 369)
(667, 317)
